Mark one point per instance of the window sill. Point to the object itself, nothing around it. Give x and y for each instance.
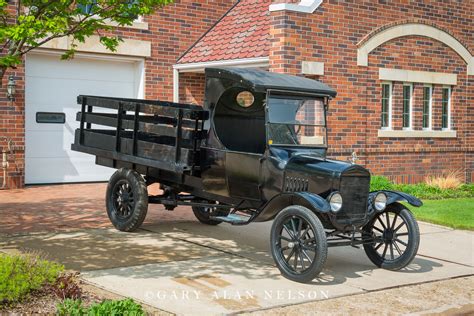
(137, 25)
(414, 134)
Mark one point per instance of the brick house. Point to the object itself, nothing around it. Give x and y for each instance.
(404, 72)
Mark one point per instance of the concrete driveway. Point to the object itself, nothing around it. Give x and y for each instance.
(178, 265)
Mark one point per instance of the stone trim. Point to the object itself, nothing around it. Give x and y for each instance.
(386, 34)
(136, 25)
(388, 74)
(128, 47)
(312, 68)
(305, 6)
(416, 134)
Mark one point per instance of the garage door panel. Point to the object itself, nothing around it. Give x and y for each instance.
(53, 86)
(41, 95)
(63, 171)
(74, 69)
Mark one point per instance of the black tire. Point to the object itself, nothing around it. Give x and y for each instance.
(202, 214)
(397, 241)
(126, 200)
(304, 237)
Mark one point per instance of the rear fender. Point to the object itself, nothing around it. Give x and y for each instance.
(309, 200)
(395, 196)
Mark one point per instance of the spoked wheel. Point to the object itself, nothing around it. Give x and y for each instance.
(202, 213)
(126, 200)
(396, 238)
(298, 244)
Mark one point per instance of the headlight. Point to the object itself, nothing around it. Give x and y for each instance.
(335, 201)
(380, 201)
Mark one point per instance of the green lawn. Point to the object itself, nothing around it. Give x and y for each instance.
(455, 213)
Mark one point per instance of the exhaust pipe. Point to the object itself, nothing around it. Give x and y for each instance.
(5, 163)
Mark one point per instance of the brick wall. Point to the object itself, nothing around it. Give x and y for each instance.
(331, 35)
(171, 32)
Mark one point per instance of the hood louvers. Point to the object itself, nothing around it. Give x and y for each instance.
(296, 184)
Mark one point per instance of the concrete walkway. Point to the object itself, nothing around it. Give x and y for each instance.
(178, 265)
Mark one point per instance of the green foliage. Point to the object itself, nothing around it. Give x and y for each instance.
(21, 274)
(455, 213)
(40, 21)
(380, 183)
(107, 307)
(123, 307)
(422, 190)
(70, 307)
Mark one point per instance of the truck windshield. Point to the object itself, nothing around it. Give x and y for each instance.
(296, 121)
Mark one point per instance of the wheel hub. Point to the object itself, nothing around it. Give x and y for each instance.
(388, 235)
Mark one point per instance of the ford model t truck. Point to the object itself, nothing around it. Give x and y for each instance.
(255, 152)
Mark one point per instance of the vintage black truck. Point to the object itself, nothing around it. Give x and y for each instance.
(256, 151)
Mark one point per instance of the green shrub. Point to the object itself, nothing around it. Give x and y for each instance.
(380, 183)
(422, 190)
(21, 274)
(108, 307)
(123, 307)
(70, 307)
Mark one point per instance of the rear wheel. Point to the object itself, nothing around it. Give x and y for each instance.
(396, 238)
(203, 213)
(126, 200)
(298, 244)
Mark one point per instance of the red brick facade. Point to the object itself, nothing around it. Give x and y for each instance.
(330, 35)
(171, 32)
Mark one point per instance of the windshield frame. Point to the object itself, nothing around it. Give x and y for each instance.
(282, 94)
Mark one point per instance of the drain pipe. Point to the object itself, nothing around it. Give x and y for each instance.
(5, 163)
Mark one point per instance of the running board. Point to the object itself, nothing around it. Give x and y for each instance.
(234, 219)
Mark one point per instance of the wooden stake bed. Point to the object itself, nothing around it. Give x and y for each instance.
(155, 134)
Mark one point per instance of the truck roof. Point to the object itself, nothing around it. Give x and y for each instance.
(261, 81)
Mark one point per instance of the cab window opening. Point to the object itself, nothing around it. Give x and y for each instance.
(239, 120)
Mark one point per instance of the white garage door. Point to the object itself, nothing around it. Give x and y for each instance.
(52, 86)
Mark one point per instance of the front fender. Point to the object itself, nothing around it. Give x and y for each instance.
(309, 200)
(396, 196)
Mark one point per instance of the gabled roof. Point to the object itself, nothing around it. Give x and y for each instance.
(242, 33)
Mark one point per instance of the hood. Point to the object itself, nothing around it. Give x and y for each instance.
(313, 173)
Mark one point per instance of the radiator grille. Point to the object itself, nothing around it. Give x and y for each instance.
(355, 192)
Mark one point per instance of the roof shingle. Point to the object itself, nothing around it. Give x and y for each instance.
(242, 33)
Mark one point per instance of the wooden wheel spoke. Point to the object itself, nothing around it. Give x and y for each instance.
(300, 226)
(287, 259)
(387, 218)
(380, 221)
(391, 251)
(378, 246)
(402, 242)
(397, 248)
(394, 221)
(385, 251)
(288, 232)
(378, 229)
(285, 238)
(302, 260)
(399, 226)
(402, 234)
(307, 257)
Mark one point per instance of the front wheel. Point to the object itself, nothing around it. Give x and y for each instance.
(298, 244)
(395, 236)
(126, 200)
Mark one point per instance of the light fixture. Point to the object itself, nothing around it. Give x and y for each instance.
(11, 87)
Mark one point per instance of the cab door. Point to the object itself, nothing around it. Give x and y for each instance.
(243, 173)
